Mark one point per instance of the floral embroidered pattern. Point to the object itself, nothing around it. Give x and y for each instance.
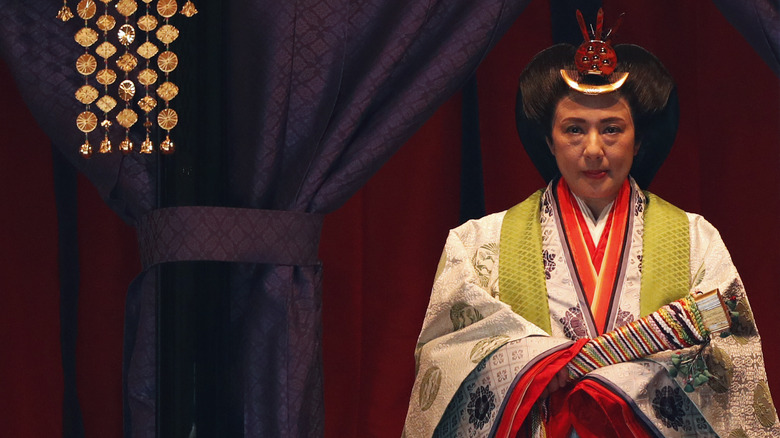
(763, 408)
(623, 318)
(721, 367)
(463, 315)
(735, 289)
(574, 324)
(486, 346)
(743, 326)
(481, 406)
(639, 266)
(547, 207)
(483, 261)
(549, 263)
(429, 387)
(667, 404)
(701, 424)
(639, 207)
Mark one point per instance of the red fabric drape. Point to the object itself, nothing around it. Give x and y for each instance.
(380, 250)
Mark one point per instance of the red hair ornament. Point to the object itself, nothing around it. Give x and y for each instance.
(595, 57)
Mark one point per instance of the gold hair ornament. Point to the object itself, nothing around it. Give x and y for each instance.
(594, 89)
(132, 71)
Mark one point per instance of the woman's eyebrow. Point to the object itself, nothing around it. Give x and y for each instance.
(613, 119)
(573, 119)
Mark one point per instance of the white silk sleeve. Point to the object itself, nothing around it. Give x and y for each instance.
(737, 402)
(464, 322)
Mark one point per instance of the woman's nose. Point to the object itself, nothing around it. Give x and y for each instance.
(594, 148)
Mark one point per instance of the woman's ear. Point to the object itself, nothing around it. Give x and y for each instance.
(637, 144)
(552, 147)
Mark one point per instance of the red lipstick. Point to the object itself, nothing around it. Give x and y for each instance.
(595, 174)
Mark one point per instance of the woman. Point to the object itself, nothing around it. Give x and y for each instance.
(589, 303)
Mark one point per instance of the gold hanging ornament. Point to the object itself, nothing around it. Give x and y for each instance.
(188, 10)
(141, 63)
(126, 146)
(64, 14)
(105, 145)
(86, 9)
(106, 22)
(105, 76)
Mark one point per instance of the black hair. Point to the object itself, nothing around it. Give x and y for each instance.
(649, 90)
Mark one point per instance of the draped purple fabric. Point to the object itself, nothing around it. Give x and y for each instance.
(759, 22)
(320, 93)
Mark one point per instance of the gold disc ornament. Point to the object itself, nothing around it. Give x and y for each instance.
(106, 76)
(87, 94)
(167, 61)
(86, 121)
(86, 9)
(126, 90)
(106, 103)
(105, 50)
(167, 119)
(167, 91)
(147, 103)
(126, 34)
(127, 7)
(127, 62)
(106, 22)
(127, 118)
(167, 8)
(147, 50)
(86, 37)
(86, 64)
(147, 76)
(147, 23)
(167, 34)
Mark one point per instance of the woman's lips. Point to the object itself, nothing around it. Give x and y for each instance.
(595, 174)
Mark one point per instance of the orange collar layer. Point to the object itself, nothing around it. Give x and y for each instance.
(597, 265)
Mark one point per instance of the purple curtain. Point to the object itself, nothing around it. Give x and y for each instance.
(759, 22)
(319, 94)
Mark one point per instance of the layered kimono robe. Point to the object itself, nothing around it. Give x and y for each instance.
(480, 337)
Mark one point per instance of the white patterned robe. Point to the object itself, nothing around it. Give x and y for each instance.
(472, 345)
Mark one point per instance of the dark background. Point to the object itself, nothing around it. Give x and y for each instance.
(380, 250)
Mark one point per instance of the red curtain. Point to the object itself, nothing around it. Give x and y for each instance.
(381, 249)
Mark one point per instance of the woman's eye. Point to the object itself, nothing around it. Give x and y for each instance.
(612, 130)
(573, 129)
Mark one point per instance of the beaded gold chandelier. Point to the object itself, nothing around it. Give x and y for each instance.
(137, 69)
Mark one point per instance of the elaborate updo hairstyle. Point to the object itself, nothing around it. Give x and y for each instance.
(649, 90)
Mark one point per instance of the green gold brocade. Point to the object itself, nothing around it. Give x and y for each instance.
(520, 268)
(666, 254)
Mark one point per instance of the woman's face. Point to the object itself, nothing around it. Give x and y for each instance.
(593, 144)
